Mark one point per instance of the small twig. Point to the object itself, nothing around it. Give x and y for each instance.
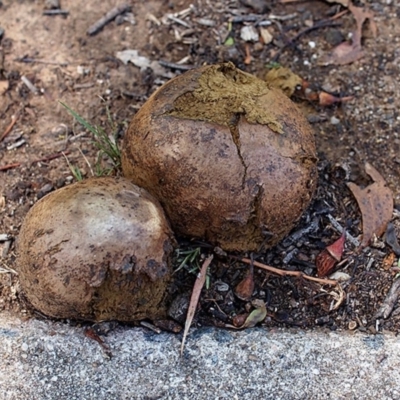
(9, 127)
(340, 229)
(29, 84)
(290, 42)
(16, 144)
(295, 236)
(103, 21)
(50, 157)
(178, 21)
(43, 159)
(87, 162)
(391, 299)
(150, 326)
(7, 270)
(179, 67)
(55, 12)
(39, 61)
(245, 18)
(91, 334)
(9, 166)
(282, 272)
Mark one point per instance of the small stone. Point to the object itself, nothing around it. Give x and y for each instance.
(340, 276)
(312, 44)
(47, 188)
(221, 286)
(52, 4)
(24, 347)
(352, 325)
(249, 33)
(335, 121)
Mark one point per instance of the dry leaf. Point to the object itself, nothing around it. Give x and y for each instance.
(266, 35)
(4, 85)
(194, 299)
(256, 316)
(346, 53)
(388, 261)
(245, 288)
(390, 301)
(376, 205)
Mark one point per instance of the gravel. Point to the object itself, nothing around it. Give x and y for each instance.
(47, 360)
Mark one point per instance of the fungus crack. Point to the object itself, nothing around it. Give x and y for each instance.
(233, 125)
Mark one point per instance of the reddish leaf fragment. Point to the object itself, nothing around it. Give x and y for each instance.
(91, 334)
(245, 288)
(239, 320)
(194, 299)
(336, 248)
(168, 325)
(326, 99)
(328, 258)
(248, 58)
(376, 205)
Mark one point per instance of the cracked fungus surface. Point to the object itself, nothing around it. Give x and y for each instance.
(232, 161)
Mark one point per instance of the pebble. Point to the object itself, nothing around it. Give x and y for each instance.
(52, 4)
(340, 276)
(47, 188)
(335, 121)
(352, 325)
(249, 33)
(221, 286)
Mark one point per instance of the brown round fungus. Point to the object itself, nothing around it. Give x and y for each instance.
(96, 250)
(231, 160)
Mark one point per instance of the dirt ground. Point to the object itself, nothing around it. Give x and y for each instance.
(45, 59)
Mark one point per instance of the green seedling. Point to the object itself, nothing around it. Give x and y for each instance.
(190, 260)
(273, 65)
(76, 172)
(106, 144)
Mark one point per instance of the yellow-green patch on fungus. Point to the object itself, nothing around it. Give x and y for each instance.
(223, 93)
